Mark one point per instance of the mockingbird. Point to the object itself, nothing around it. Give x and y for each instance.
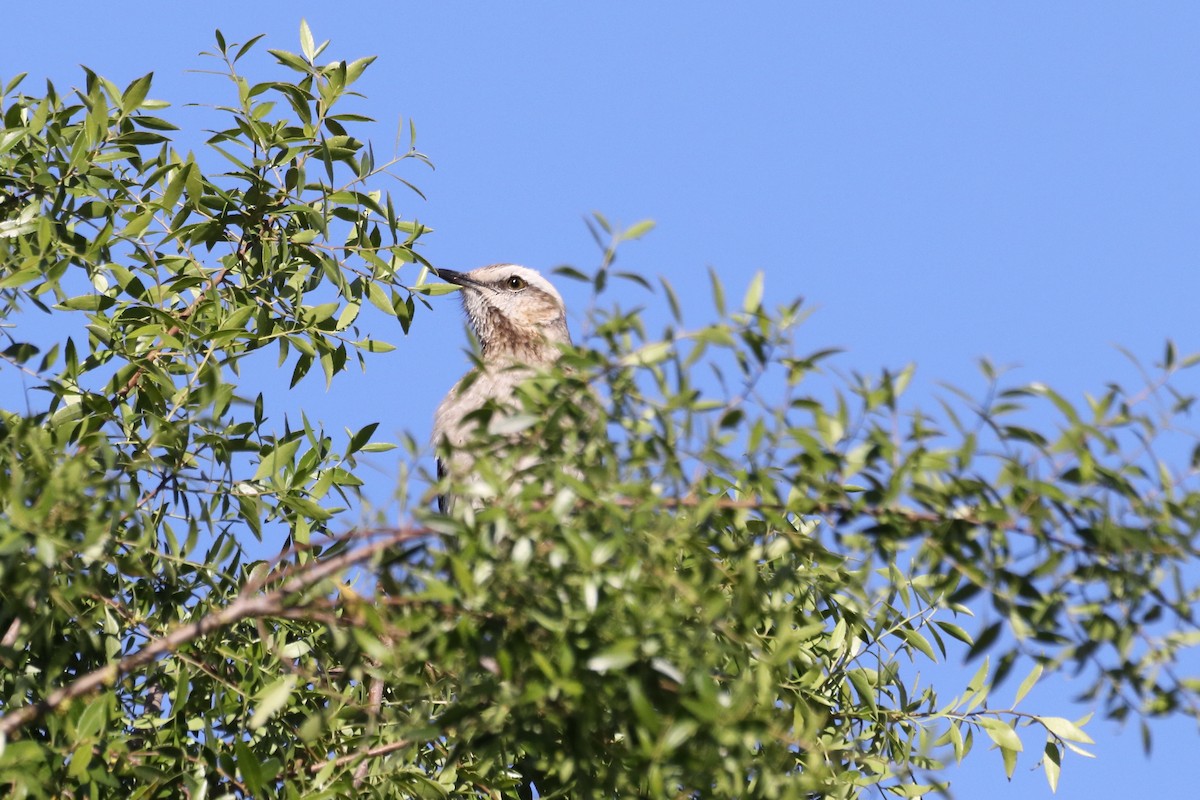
(520, 322)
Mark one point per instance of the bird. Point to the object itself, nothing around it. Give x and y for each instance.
(520, 322)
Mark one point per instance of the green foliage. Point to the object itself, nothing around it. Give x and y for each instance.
(720, 577)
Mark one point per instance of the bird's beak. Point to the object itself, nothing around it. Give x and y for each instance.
(457, 278)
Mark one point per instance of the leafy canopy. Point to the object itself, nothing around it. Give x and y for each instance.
(721, 577)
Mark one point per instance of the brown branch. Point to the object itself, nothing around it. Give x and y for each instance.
(10, 635)
(375, 700)
(374, 752)
(245, 606)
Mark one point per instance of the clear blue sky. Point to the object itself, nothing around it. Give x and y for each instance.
(945, 181)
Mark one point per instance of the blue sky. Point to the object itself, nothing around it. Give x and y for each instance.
(943, 181)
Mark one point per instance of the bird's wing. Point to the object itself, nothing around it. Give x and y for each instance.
(442, 503)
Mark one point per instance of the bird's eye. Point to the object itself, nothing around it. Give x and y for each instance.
(515, 282)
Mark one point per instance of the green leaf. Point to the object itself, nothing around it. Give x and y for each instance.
(648, 355)
(955, 631)
(718, 292)
(374, 346)
(1065, 729)
(93, 720)
(193, 183)
(508, 424)
(1052, 763)
(1010, 761)
(916, 640)
(359, 440)
(436, 289)
(613, 659)
(380, 299)
(25, 222)
(307, 45)
(672, 300)
(20, 352)
(13, 84)
(174, 188)
(638, 230)
(248, 765)
(9, 137)
(135, 226)
(1027, 684)
(1001, 733)
(272, 698)
(277, 459)
(308, 508)
(135, 93)
(754, 294)
(88, 302)
(247, 46)
(348, 314)
(570, 272)
(355, 68)
(900, 381)
(985, 640)
(290, 60)
(304, 236)
(22, 276)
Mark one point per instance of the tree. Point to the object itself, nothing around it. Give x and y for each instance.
(716, 580)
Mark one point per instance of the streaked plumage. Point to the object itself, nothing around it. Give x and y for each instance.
(520, 322)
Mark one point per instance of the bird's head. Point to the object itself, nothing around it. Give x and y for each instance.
(514, 312)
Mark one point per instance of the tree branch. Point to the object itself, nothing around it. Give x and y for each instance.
(245, 606)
